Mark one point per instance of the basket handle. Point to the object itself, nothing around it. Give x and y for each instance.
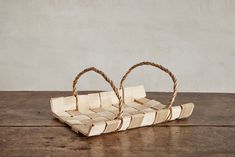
(107, 79)
(172, 98)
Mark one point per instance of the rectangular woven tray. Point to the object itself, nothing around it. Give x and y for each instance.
(97, 111)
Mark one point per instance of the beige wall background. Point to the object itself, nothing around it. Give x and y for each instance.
(45, 43)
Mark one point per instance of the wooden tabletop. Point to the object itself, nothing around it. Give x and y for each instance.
(29, 129)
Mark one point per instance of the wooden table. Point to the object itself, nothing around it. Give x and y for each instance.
(28, 129)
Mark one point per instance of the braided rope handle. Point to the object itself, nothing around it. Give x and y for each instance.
(172, 98)
(107, 79)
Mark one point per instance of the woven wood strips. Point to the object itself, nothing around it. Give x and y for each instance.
(97, 111)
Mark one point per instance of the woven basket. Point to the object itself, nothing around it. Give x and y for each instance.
(117, 110)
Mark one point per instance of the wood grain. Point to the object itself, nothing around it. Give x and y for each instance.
(33, 108)
(27, 128)
(148, 141)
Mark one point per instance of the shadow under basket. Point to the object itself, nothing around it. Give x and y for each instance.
(97, 112)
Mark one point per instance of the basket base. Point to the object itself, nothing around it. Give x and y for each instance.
(97, 111)
(141, 112)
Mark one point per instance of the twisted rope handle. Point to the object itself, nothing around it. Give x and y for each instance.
(107, 79)
(172, 98)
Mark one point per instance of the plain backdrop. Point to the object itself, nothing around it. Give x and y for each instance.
(45, 43)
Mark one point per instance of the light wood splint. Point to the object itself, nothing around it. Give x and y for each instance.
(117, 110)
